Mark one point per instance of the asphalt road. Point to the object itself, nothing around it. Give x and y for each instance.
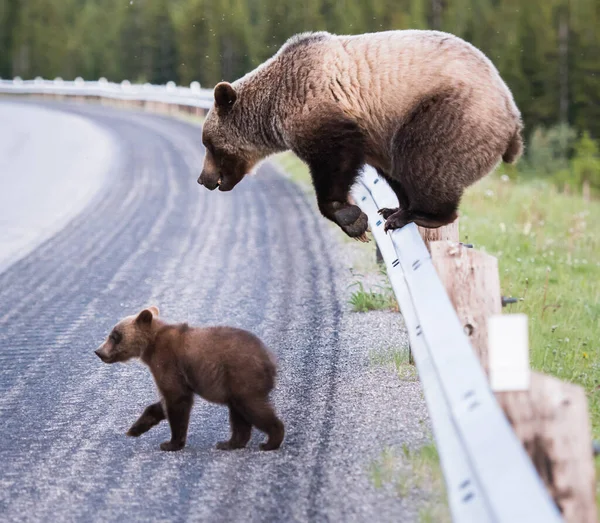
(259, 258)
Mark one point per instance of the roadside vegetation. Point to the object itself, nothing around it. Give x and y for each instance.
(548, 246)
(548, 249)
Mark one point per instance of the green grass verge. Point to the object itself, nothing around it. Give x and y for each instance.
(363, 300)
(548, 249)
(397, 358)
(296, 170)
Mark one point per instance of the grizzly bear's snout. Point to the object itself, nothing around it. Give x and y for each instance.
(101, 353)
(210, 181)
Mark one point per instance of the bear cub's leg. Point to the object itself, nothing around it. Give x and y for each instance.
(240, 431)
(259, 412)
(151, 416)
(178, 413)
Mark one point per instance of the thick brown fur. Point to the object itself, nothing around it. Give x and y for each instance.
(223, 365)
(426, 109)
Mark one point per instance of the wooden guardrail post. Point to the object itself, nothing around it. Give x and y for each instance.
(472, 282)
(551, 420)
(550, 417)
(447, 233)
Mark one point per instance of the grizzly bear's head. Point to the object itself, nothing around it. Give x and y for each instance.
(128, 338)
(230, 153)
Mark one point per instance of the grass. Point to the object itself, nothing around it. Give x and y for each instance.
(397, 358)
(548, 249)
(408, 471)
(363, 300)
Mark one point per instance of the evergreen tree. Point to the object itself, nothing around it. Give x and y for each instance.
(548, 51)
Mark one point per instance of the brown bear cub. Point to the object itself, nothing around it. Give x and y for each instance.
(223, 365)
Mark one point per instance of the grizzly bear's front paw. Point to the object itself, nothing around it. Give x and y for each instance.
(353, 221)
(396, 220)
(387, 212)
(171, 446)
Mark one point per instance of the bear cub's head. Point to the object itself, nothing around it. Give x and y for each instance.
(128, 338)
(230, 153)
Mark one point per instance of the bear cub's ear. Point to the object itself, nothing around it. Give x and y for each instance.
(144, 317)
(225, 96)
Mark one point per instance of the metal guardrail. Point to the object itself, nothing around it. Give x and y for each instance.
(170, 93)
(489, 476)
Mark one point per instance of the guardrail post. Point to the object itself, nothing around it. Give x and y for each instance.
(448, 232)
(473, 286)
(550, 418)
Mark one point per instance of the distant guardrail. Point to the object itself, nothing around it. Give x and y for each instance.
(193, 96)
(489, 475)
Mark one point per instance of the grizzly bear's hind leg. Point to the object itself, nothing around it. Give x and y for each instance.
(240, 432)
(151, 416)
(400, 194)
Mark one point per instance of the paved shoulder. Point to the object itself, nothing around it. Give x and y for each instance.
(258, 258)
(52, 165)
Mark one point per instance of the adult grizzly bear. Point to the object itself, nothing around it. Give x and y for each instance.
(428, 110)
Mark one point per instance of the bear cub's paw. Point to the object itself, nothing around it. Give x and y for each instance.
(134, 432)
(170, 446)
(268, 446)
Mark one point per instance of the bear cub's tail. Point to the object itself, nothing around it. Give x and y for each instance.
(515, 148)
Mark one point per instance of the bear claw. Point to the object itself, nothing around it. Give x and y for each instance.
(395, 220)
(387, 212)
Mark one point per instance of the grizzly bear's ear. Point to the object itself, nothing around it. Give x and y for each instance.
(144, 317)
(154, 310)
(225, 97)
